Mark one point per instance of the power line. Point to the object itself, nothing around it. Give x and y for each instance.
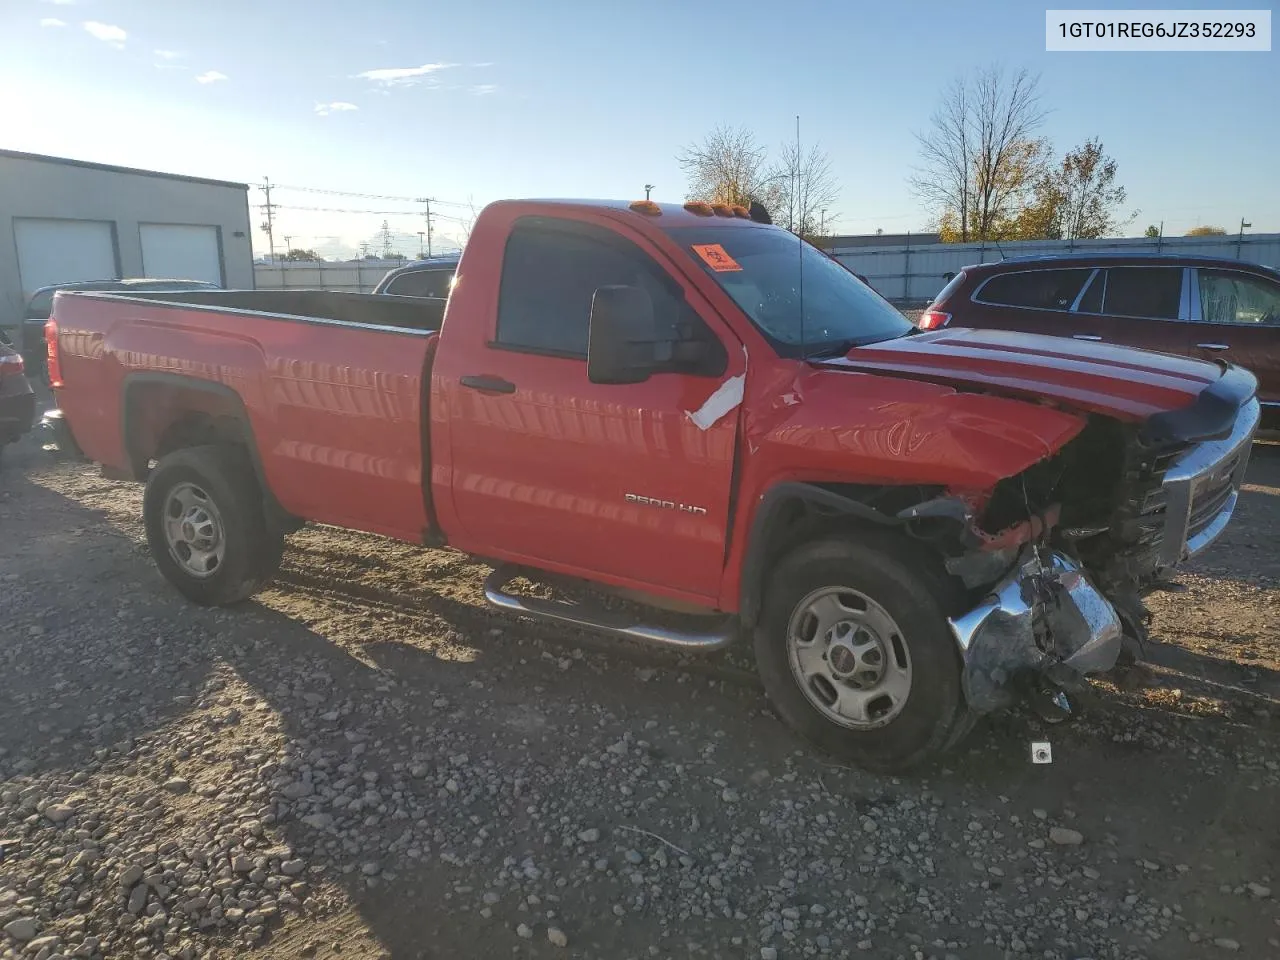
(366, 196)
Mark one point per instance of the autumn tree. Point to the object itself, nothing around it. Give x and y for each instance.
(1080, 196)
(805, 187)
(729, 166)
(1206, 231)
(980, 158)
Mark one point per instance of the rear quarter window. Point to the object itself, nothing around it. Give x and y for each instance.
(1034, 289)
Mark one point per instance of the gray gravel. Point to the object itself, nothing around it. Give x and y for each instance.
(362, 762)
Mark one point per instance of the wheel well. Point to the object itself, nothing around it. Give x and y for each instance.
(794, 513)
(164, 413)
(161, 417)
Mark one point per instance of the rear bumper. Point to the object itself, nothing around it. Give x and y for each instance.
(56, 435)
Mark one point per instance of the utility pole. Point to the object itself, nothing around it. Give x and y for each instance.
(822, 222)
(268, 208)
(647, 188)
(1240, 236)
(288, 244)
(426, 202)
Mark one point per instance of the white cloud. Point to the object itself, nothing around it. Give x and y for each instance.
(403, 76)
(106, 32)
(211, 76)
(168, 54)
(337, 106)
(52, 22)
(483, 89)
(487, 63)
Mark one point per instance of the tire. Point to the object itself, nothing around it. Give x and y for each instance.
(885, 588)
(235, 550)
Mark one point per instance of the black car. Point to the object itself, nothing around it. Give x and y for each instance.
(423, 278)
(17, 399)
(40, 305)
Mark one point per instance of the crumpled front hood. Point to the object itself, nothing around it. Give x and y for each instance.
(1120, 382)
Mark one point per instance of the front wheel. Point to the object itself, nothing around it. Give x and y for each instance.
(855, 653)
(205, 525)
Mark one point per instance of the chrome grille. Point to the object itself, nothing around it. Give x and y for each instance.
(1200, 488)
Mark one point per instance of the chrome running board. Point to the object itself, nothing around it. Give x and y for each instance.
(724, 629)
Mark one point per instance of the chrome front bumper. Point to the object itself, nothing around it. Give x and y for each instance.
(1201, 488)
(1080, 630)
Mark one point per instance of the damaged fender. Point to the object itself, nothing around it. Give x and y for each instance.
(1045, 617)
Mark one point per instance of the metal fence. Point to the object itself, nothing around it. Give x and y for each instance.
(349, 276)
(914, 274)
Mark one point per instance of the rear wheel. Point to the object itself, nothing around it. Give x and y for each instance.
(205, 525)
(855, 653)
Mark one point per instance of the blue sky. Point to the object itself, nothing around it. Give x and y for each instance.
(595, 99)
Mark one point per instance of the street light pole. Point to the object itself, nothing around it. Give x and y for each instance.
(647, 188)
(421, 234)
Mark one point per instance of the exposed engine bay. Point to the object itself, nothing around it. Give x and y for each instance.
(1059, 556)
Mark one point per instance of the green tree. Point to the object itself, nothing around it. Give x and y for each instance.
(298, 254)
(1153, 231)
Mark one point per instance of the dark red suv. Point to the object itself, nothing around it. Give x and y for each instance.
(1195, 306)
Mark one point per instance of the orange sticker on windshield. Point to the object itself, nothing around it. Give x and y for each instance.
(716, 257)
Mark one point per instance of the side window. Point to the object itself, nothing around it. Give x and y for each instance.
(1038, 289)
(422, 283)
(1151, 292)
(549, 276)
(1229, 297)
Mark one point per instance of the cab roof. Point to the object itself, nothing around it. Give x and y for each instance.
(668, 215)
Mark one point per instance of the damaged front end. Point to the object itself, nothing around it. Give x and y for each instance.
(1045, 619)
(1060, 556)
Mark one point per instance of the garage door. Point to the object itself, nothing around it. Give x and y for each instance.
(58, 251)
(180, 251)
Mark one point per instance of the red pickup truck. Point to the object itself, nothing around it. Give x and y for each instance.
(705, 415)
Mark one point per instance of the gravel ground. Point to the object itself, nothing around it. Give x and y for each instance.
(363, 762)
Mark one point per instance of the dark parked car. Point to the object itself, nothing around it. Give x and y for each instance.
(1202, 307)
(17, 400)
(423, 278)
(40, 305)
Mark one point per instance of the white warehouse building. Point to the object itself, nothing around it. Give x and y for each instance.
(63, 220)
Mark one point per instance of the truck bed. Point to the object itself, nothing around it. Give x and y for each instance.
(366, 309)
(336, 413)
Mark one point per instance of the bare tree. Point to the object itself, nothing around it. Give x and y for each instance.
(727, 166)
(979, 157)
(806, 187)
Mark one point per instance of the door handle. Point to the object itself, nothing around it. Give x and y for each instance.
(1213, 346)
(489, 384)
(1085, 336)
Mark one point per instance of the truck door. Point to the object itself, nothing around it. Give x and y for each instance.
(620, 481)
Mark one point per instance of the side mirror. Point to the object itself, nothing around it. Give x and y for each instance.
(620, 344)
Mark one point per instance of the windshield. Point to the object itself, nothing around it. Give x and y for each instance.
(762, 269)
